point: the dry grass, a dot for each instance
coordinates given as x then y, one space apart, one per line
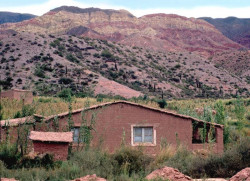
47 106
10 107
52 105
165 154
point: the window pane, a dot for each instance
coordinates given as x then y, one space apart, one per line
148 139
137 135
148 131
148 135
75 134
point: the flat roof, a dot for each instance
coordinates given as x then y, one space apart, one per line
16 122
65 137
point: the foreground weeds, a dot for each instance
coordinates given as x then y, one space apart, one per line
132 164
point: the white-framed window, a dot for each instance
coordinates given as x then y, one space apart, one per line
76 132
143 135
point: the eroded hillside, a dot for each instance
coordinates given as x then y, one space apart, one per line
48 63
157 31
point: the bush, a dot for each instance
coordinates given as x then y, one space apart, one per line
215 165
164 155
162 103
27 110
46 161
9 155
93 161
107 54
65 80
72 58
2 167
130 161
65 94
46 100
182 160
39 72
6 84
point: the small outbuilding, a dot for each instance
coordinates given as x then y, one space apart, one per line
21 95
55 143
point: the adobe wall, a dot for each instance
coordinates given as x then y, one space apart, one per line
26 96
7 94
113 124
58 150
12 134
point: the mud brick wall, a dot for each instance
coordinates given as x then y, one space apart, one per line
58 150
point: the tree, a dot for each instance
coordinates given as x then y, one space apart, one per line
239 110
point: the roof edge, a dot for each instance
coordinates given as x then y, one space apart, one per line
48 118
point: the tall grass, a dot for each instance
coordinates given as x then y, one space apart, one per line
54 105
133 164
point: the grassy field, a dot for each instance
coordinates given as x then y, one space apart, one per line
52 105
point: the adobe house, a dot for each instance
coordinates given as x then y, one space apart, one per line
9 128
55 143
139 125
21 95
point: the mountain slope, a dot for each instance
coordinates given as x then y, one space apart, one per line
158 31
9 17
47 63
237 29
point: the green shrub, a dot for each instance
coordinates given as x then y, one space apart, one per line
177 66
93 161
129 160
18 115
46 100
2 167
181 160
27 110
9 155
107 54
239 110
6 84
223 165
65 80
46 161
96 55
162 103
72 58
65 94
39 72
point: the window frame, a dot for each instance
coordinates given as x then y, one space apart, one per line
73 130
143 143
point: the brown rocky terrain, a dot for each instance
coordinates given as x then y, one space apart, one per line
157 31
236 62
242 175
168 173
90 178
48 63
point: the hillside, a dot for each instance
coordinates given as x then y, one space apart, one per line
237 29
237 62
48 63
9 17
160 32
